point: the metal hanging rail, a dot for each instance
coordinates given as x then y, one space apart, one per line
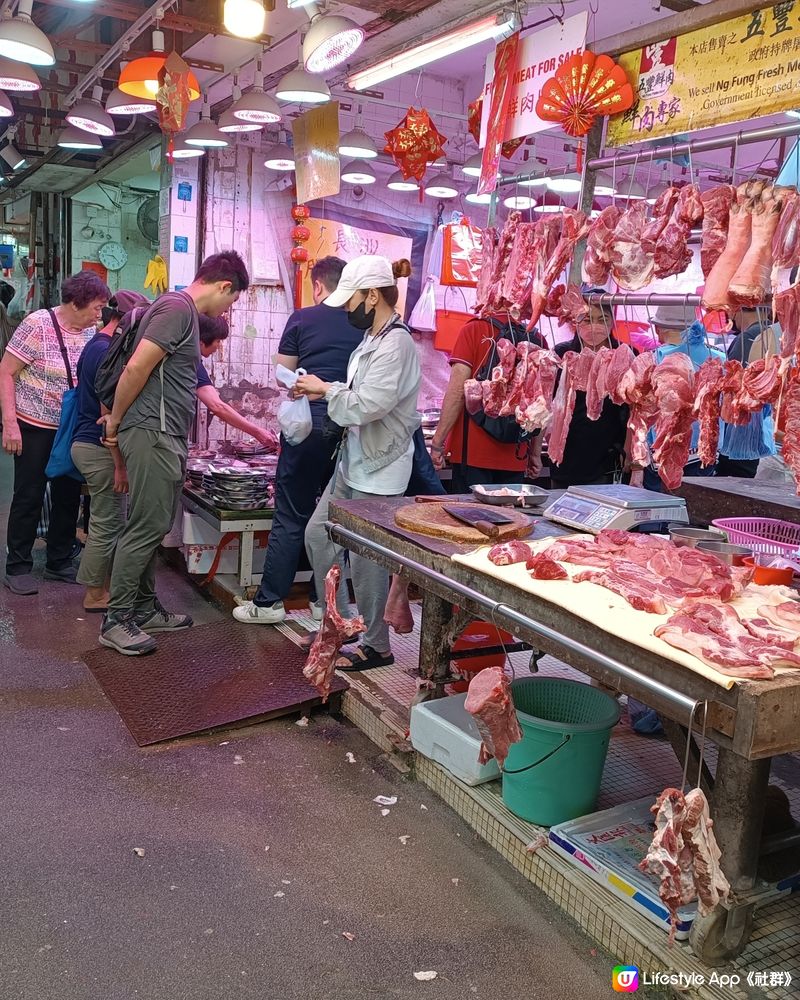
744 138
681 702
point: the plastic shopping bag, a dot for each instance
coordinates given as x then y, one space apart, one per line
462 254
423 315
294 415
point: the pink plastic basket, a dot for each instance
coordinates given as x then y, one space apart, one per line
761 534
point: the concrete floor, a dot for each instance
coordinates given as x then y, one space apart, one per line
262 847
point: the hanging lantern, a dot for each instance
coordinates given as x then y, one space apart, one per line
299 255
174 96
301 234
474 115
300 212
585 87
414 143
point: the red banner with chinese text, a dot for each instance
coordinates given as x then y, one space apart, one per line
505 65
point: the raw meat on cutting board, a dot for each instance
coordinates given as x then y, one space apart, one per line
320 666
489 702
508 553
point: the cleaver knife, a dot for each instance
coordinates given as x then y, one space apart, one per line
486 521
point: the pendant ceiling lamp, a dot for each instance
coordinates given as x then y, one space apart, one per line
534 182
20 39
631 189
75 138
280 157
228 122
300 87
565 183
398 183
18 76
441 186
358 172
244 18
331 39
549 204
205 133
357 144
90 116
256 106
184 152
604 186
139 77
478 199
472 167
519 201
118 103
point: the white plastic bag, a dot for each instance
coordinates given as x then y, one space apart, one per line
423 315
294 415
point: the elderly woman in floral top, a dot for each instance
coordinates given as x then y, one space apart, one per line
33 380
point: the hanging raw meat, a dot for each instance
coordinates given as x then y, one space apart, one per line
473 395
599 242
320 667
514 395
734 408
575 227
791 423
672 254
489 702
662 212
673 381
751 283
787 309
491 239
786 242
716 213
572 305
636 390
516 290
535 408
501 261
596 390
575 373
707 408
631 267
494 391
740 229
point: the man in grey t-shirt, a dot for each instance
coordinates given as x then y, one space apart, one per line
153 407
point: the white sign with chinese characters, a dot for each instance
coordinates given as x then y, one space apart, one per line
540 55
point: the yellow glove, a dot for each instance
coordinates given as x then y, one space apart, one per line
156 278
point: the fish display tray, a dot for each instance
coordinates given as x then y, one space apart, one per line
608 846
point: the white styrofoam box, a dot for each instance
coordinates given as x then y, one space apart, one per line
200 558
445 731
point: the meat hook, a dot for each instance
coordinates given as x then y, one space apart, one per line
559 17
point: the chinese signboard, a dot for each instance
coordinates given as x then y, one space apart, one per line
316 153
539 56
334 239
739 69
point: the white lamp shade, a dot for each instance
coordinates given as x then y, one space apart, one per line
206 135
18 76
258 107
565 183
534 182
358 144
90 116
472 167
119 103
549 204
229 123
519 201
20 39
441 186
280 157
75 138
358 172
299 87
399 183
182 152
478 199
604 186
331 40
631 189
244 18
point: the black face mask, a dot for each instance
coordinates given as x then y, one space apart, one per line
360 318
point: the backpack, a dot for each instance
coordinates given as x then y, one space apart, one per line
120 350
504 430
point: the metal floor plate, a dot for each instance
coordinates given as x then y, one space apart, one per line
203 678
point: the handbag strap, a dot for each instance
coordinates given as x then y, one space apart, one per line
64 355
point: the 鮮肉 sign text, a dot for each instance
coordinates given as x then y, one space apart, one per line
739 69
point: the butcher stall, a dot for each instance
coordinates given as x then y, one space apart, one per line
748 720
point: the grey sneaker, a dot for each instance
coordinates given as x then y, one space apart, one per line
251 614
25 585
124 635
161 620
317 611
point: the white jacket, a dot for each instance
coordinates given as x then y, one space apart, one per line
382 397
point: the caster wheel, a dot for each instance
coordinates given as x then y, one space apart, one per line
722 935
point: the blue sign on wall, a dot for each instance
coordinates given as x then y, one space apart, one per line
181 244
184 191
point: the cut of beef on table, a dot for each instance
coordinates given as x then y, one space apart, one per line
320 666
489 702
508 553
542 567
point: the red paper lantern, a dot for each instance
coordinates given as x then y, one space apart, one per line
301 234
415 143
299 255
300 212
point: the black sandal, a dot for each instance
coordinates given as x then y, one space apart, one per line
308 640
365 658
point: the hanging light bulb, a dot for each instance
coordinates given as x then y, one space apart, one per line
534 182
331 39
20 39
140 76
519 201
399 183
74 138
18 76
549 204
244 18
478 199
631 189
441 186
228 122
565 183
118 103
358 172
183 152
356 143
90 116
280 157
299 87
205 133
255 105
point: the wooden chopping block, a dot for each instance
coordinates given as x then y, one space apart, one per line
431 519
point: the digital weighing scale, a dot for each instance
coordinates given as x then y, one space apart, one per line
594 508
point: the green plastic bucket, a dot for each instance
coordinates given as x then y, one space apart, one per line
554 773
